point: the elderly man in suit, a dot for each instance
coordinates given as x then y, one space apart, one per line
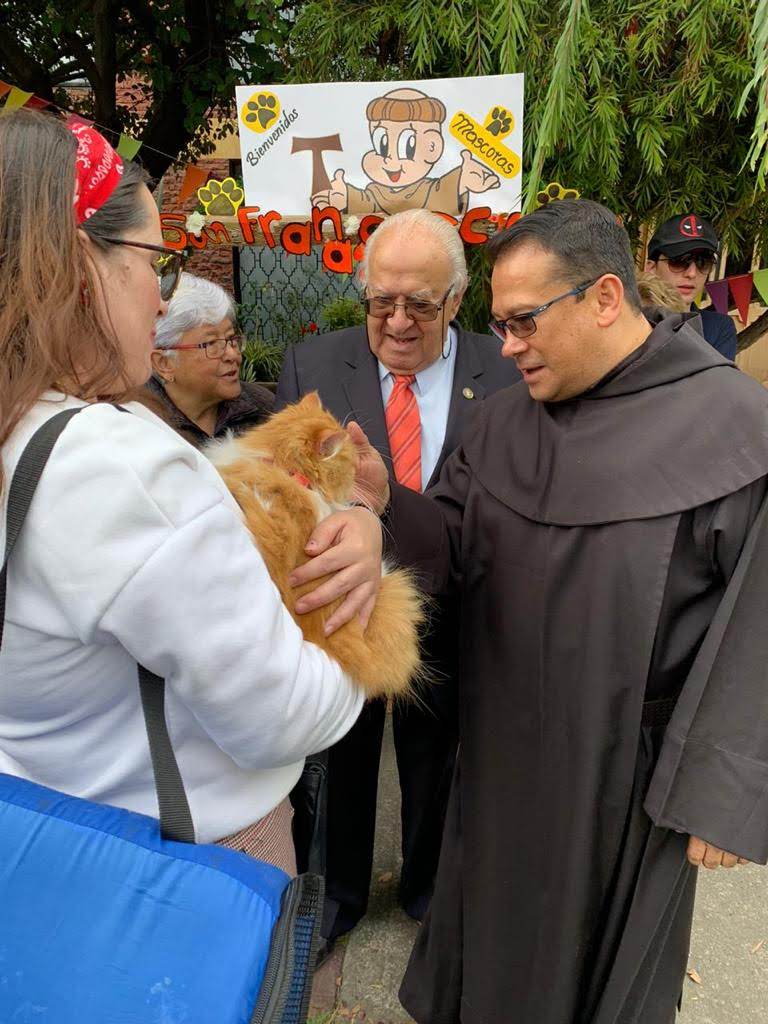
411 377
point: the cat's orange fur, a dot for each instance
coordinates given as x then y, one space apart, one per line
281 513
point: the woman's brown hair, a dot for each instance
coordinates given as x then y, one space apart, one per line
52 334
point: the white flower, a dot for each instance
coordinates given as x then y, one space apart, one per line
351 224
195 222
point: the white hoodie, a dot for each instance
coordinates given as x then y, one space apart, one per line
133 549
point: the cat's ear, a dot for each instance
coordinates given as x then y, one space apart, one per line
311 401
329 442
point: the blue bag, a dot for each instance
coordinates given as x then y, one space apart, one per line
111 917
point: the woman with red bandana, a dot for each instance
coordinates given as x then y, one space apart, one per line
133 550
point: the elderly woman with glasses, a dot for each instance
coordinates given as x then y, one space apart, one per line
196 382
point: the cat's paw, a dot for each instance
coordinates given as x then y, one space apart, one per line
221 198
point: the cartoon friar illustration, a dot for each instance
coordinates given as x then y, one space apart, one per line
406 143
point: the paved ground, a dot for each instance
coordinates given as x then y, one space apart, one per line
360 981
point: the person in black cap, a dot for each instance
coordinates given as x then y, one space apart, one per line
682 252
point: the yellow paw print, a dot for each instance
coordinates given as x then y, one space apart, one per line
556 191
221 198
499 122
261 111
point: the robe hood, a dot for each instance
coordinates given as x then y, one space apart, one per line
673 427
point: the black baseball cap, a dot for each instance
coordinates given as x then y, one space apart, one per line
679 235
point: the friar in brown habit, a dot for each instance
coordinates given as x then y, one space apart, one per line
592 521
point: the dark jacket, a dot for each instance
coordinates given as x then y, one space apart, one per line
252 407
719 331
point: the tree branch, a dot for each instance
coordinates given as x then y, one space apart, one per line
753 333
105 59
26 71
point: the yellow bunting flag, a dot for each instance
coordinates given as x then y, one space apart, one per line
16 98
127 147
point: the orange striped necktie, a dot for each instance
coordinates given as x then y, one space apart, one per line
404 429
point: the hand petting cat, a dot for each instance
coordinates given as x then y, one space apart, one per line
371 478
288 475
349 545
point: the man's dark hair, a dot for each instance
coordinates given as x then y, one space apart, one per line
585 237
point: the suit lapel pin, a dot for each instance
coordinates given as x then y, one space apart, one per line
468 393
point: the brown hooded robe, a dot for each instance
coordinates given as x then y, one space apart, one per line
592 541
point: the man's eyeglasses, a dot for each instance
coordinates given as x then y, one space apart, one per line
167 266
382 307
679 264
214 349
523 325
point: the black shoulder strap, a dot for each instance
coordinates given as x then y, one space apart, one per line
175 817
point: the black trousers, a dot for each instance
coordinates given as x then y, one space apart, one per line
425 747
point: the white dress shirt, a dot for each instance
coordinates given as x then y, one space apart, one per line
432 389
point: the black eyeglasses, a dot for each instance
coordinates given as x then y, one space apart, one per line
679 264
523 325
381 307
167 266
214 349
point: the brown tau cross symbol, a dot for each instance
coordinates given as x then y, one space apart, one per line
317 147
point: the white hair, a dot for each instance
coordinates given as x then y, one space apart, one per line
446 237
196 303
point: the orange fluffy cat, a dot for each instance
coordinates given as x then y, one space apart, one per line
287 475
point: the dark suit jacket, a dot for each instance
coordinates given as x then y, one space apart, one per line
345 373
342 369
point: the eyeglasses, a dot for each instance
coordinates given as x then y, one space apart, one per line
524 324
679 264
415 309
213 349
167 266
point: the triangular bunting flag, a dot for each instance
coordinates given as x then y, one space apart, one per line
16 99
127 147
36 103
718 292
741 290
760 281
4 88
194 177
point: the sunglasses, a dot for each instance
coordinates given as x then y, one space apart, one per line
524 324
415 309
213 349
679 264
167 266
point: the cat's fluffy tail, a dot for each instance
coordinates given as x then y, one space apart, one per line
393 666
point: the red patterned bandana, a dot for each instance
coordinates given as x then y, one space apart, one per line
98 170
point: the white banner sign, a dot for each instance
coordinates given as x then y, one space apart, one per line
448 145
